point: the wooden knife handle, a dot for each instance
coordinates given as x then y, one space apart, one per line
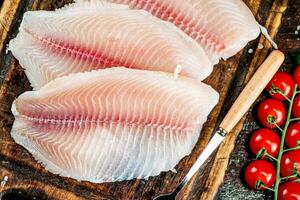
252 90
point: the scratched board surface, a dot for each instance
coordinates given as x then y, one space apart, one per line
26 178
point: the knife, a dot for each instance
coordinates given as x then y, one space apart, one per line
241 105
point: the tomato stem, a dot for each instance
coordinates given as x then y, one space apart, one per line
288 177
260 153
271 189
278 127
295 119
271 157
275 90
280 92
287 123
263 152
291 149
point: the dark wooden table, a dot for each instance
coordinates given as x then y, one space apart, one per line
28 179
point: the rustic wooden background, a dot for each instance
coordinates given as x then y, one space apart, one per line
23 178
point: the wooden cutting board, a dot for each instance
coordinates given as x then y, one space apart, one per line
24 177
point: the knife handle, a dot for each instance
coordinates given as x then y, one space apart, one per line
252 90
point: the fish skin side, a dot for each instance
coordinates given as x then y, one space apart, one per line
95 35
222 27
113 124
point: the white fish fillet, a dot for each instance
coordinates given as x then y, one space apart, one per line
93 35
222 27
113 124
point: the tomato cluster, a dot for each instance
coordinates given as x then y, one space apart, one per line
265 142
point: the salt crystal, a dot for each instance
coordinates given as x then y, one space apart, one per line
260 46
298 27
250 51
4 181
7 49
296 32
177 71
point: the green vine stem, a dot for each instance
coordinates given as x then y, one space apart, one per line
288 177
275 90
263 153
295 119
271 157
282 150
271 189
291 149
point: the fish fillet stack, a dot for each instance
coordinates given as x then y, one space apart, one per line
117 91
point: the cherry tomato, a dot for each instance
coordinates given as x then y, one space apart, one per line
288 160
293 135
271 108
296 106
289 191
297 75
267 139
260 170
282 81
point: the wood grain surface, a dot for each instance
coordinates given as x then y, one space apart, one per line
30 180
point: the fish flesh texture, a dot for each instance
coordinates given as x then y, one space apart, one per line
222 27
112 124
94 35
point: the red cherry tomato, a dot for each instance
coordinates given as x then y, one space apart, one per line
288 160
267 139
296 106
293 135
260 170
289 191
284 82
297 76
271 108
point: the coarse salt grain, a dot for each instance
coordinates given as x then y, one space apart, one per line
4 181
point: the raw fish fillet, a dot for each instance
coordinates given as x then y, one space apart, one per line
222 27
91 35
113 124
